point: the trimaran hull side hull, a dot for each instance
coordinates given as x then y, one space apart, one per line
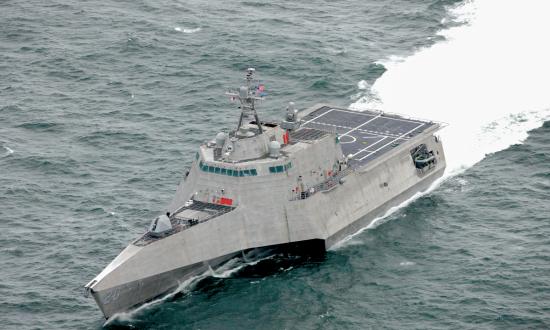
130 295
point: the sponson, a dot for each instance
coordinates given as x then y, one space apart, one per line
314 178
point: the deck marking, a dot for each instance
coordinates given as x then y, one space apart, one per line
360 130
375 143
321 115
379 133
363 124
392 141
362 114
360 135
354 139
416 121
327 124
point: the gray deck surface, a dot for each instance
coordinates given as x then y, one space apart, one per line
365 135
181 218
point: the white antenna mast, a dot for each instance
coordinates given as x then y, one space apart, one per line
247 96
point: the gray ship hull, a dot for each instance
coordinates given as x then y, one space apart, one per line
307 199
131 295
383 209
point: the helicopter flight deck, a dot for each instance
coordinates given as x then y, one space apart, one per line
368 134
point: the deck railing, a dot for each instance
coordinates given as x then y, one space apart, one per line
325 186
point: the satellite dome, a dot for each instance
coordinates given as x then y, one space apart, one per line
274 149
220 139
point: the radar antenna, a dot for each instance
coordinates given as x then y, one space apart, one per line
247 96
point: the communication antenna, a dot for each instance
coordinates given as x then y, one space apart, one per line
247 96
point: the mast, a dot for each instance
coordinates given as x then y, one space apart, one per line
247 96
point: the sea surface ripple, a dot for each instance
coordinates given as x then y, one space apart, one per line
102 106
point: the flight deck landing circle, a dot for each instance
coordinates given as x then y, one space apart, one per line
347 139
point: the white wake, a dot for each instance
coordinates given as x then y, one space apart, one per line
8 151
489 80
189 31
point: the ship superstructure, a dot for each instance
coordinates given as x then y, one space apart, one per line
309 180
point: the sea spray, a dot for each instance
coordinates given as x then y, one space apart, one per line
188 31
488 80
8 151
461 82
184 287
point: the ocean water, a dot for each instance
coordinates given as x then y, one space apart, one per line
102 105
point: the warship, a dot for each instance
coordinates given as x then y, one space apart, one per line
308 181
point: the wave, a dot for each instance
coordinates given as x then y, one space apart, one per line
184 30
233 266
8 151
488 80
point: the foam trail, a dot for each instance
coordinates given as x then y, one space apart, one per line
489 80
230 268
184 30
8 151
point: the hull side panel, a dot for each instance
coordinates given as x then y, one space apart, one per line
382 209
126 296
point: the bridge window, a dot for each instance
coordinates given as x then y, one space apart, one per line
280 168
226 171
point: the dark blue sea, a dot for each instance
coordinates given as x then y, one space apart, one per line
103 104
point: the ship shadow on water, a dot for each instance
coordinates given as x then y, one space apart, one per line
275 264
